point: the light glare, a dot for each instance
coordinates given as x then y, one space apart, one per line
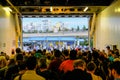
86 8
7 9
51 9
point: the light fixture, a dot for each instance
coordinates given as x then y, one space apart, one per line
51 9
86 8
7 9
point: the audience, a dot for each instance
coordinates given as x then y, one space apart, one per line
60 65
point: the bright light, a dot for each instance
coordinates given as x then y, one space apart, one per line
86 8
51 9
7 9
117 10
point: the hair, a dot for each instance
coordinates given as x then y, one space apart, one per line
79 62
57 53
2 53
91 66
108 47
18 50
39 51
19 57
44 51
73 54
66 52
13 52
31 63
95 54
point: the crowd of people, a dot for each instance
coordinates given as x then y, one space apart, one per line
60 65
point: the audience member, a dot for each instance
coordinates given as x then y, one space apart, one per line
91 67
67 65
78 73
115 70
30 73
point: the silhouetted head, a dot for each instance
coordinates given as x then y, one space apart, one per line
66 52
91 66
18 50
57 53
31 63
108 47
73 54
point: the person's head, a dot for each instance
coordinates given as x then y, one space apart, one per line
115 69
44 51
57 53
79 64
18 50
95 55
73 54
39 51
91 66
108 47
66 52
12 51
31 63
2 53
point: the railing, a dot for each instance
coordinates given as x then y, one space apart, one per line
68 33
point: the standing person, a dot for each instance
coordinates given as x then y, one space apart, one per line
12 56
30 73
55 63
19 55
67 65
108 50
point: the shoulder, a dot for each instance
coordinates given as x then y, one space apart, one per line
95 77
40 77
99 78
16 78
37 77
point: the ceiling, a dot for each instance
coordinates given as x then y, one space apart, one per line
58 2
38 8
